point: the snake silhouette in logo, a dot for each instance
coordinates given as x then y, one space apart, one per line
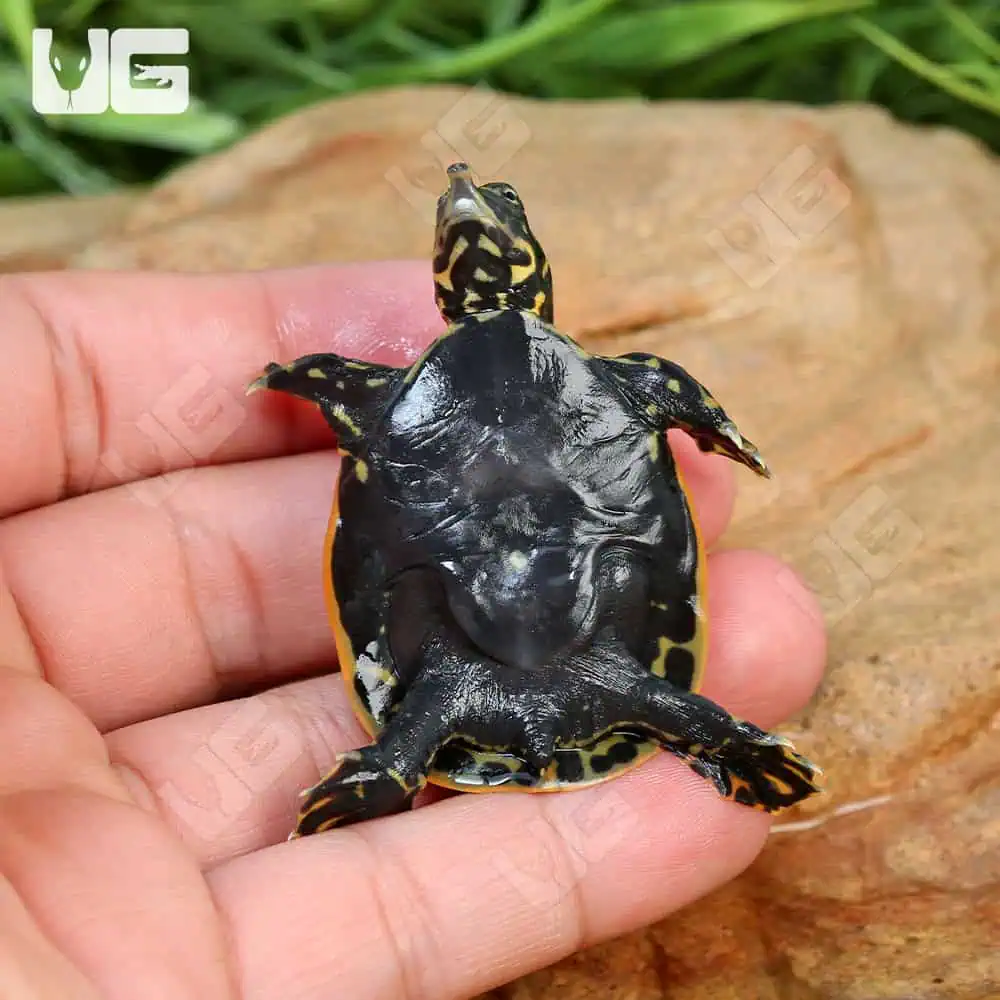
69 68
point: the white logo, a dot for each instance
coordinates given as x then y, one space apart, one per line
104 78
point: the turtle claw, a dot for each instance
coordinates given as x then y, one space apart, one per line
360 787
727 440
758 769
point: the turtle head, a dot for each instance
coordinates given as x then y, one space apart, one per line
485 255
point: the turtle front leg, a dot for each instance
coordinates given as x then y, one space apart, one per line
671 397
351 394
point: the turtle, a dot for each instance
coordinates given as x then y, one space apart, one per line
514 573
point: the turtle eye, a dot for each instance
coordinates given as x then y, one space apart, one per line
510 194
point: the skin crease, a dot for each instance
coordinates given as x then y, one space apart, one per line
165 690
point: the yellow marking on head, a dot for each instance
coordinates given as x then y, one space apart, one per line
673 385
358 366
654 446
472 297
521 272
709 402
652 409
374 383
501 298
485 243
480 275
443 278
316 373
652 362
539 303
361 471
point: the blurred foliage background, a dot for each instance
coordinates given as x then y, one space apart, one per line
927 61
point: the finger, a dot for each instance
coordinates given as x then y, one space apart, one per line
122 376
160 596
227 776
528 879
446 903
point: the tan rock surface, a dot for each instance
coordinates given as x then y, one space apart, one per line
865 363
40 233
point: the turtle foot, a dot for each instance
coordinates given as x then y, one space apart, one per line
360 787
758 769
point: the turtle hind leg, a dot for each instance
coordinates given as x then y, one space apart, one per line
363 785
756 769
384 777
745 763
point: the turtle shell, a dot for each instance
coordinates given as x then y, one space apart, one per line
511 480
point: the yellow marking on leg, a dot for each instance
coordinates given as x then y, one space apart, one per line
654 446
399 779
782 787
736 783
375 383
673 385
361 471
659 665
316 373
539 303
652 362
358 366
341 415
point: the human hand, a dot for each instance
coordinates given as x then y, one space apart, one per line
165 690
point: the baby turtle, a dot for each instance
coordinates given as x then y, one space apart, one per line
514 572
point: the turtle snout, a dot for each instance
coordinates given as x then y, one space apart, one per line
520 607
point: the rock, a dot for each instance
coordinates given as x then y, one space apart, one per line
40 233
831 274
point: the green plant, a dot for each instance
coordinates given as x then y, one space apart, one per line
929 62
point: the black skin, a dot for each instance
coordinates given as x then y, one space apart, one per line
512 541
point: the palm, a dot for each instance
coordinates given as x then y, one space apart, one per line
165 690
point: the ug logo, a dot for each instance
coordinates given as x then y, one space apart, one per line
63 83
